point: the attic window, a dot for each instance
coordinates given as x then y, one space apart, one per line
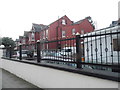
63 22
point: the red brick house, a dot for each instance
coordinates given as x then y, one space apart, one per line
65 28
26 37
44 37
55 27
17 42
34 35
82 27
24 40
29 39
54 30
59 29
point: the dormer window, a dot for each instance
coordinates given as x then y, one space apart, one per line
63 22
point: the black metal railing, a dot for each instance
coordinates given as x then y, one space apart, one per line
96 50
102 49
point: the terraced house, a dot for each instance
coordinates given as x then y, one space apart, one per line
65 28
60 29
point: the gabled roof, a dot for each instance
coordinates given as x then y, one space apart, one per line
26 33
114 23
86 18
80 21
119 21
21 37
59 19
37 27
17 40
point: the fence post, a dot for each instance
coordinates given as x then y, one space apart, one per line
38 51
78 51
10 51
20 51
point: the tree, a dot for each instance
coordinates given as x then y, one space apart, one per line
6 41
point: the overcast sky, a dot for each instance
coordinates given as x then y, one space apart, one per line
17 16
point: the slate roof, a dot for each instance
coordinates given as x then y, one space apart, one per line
17 40
114 23
59 19
26 33
37 27
78 22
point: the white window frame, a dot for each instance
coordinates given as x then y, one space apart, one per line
63 21
73 31
23 41
32 36
63 34
29 37
43 34
46 33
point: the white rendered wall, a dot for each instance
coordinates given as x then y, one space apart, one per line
51 78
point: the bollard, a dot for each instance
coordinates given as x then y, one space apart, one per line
20 52
38 51
78 51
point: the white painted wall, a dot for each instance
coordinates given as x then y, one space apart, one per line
96 44
51 78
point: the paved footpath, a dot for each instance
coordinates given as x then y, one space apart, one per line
11 81
8 80
0 79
